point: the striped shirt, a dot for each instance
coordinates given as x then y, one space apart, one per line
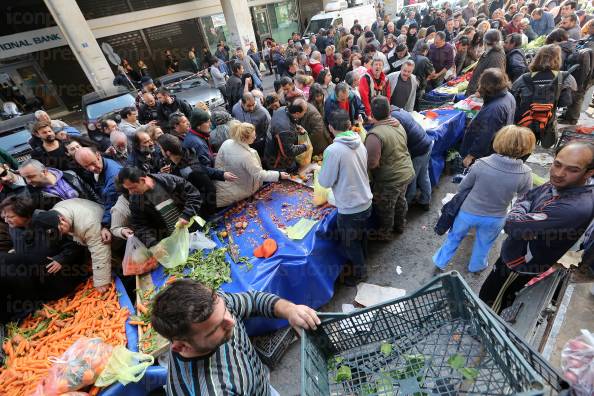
234 368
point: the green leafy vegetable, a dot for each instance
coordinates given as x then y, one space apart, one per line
211 270
469 373
343 374
456 361
386 348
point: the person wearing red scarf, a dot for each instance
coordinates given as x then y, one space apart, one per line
374 83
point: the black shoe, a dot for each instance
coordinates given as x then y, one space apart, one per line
425 207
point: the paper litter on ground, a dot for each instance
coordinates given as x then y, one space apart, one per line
370 294
570 258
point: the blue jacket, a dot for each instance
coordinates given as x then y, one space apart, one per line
355 105
544 25
197 141
417 140
106 188
544 224
497 112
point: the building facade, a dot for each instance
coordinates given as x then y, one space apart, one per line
57 50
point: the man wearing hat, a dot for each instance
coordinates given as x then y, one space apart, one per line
198 137
370 39
397 57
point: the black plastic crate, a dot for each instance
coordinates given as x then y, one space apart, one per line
272 347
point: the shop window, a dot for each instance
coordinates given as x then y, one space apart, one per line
92 9
215 30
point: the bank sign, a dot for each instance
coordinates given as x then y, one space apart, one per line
33 41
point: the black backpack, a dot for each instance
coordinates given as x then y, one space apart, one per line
581 61
539 104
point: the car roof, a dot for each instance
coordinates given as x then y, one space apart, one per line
101 95
17 122
175 75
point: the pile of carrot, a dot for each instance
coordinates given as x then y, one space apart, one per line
53 329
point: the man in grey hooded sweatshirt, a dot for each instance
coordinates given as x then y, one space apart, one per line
345 171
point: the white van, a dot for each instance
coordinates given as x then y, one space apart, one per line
339 14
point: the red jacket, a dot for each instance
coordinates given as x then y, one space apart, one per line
380 87
316 68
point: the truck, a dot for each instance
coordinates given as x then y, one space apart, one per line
339 13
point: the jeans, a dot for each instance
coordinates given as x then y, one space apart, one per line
352 231
421 180
487 230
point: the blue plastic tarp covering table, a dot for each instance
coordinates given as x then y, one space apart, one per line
302 271
450 129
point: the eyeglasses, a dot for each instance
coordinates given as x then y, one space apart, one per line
4 172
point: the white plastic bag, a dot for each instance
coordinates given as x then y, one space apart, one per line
199 241
577 363
137 258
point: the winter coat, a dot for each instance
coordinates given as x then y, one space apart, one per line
146 221
423 68
149 164
516 64
544 224
190 160
129 129
493 57
497 112
233 90
313 123
544 25
369 88
260 118
245 163
100 139
197 141
164 111
281 143
393 80
106 188
85 219
120 217
417 140
147 114
356 108
43 198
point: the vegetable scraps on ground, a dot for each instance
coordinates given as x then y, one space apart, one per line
53 329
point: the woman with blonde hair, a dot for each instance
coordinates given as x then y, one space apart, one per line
303 83
345 42
490 186
236 156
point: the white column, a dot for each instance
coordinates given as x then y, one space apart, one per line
79 36
239 23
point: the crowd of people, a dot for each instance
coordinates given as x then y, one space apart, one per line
346 95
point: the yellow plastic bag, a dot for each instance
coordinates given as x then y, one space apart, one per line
320 194
174 250
124 366
304 158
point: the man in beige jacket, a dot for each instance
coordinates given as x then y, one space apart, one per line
81 219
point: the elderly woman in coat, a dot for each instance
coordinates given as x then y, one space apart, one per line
236 156
493 57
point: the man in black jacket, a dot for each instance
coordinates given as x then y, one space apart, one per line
169 104
282 142
148 110
144 155
158 202
51 151
184 163
515 59
47 186
236 85
423 69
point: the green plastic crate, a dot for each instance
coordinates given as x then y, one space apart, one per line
438 340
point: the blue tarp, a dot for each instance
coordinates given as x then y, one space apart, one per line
435 96
302 271
446 135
